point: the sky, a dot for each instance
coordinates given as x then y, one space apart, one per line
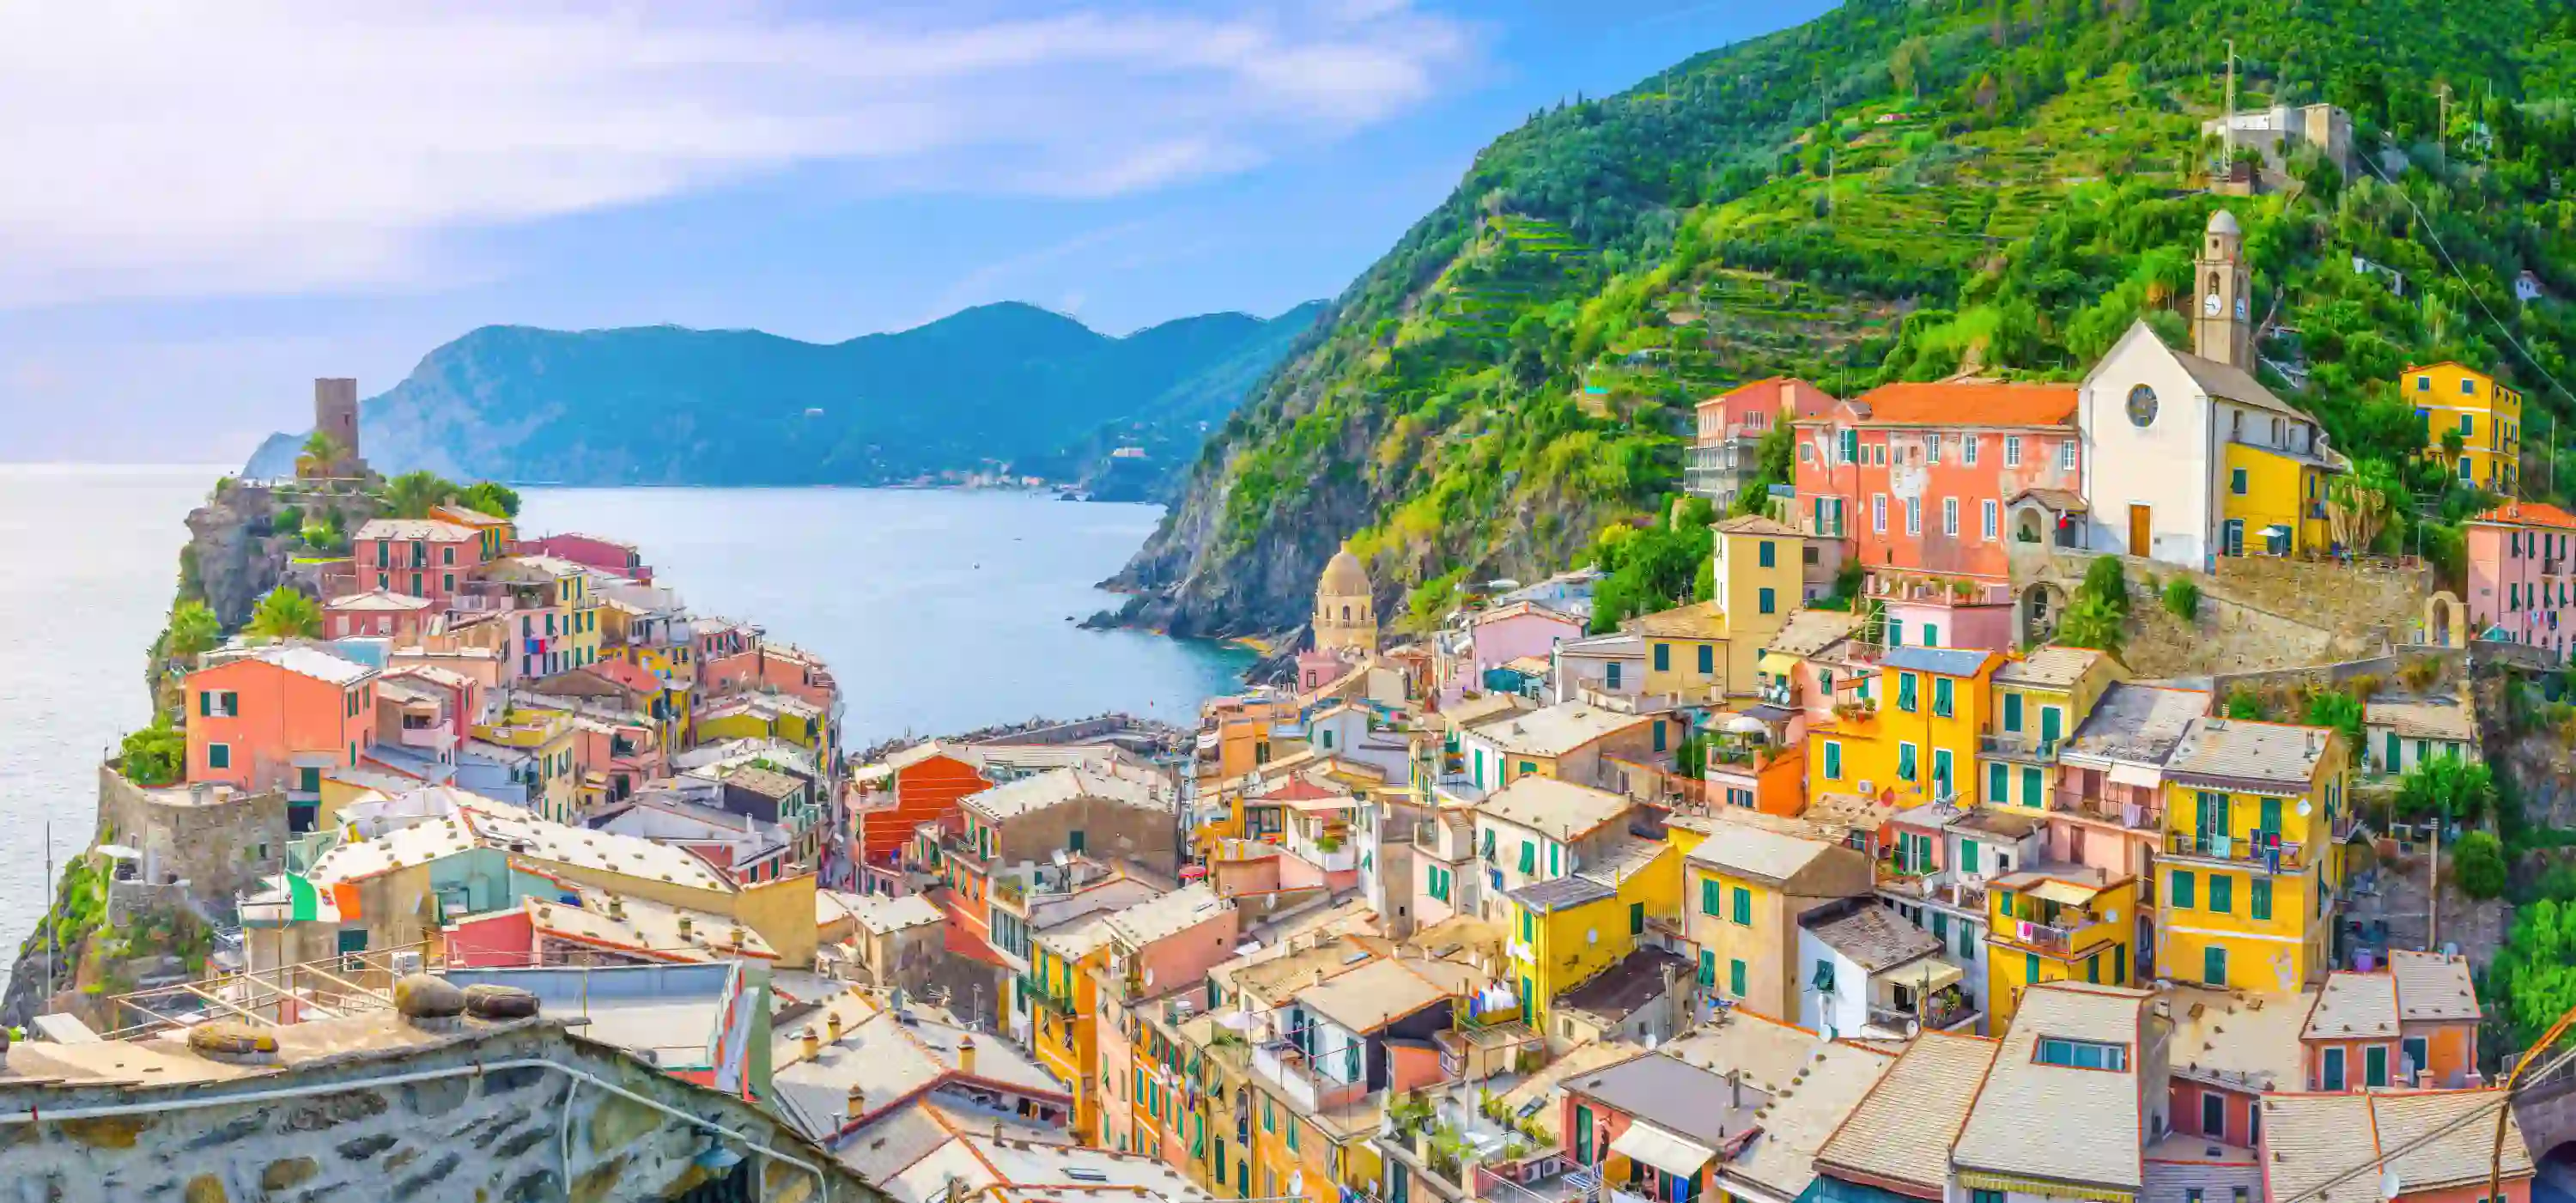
210 205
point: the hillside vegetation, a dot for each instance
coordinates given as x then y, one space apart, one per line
1893 191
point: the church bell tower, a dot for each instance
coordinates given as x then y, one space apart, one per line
2222 319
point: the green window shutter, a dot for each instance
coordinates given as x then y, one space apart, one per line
1768 556
1552 859
1663 657
2272 816
1744 906
2031 785
1895 633
1905 696
2030 966
2093 969
2259 904
1943 696
2012 712
1707 968
1707 659
2222 894
1997 777
2051 724
1967 856
2181 891
1636 918
1529 857
1735 978
1770 602
2213 965
1905 760
1833 762
1528 926
1941 926
1708 896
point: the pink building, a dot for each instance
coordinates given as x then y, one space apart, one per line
1731 429
591 551
1504 634
417 557
760 665
1944 611
376 613
2520 587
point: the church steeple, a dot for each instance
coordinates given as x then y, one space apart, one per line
2222 320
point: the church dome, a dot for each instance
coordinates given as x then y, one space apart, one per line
2224 222
1344 577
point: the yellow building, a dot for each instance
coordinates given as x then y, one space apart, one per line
2453 399
761 716
1933 706
2057 923
552 777
1064 1000
2254 813
1685 653
1758 569
2040 700
1745 886
1565 930
2274 501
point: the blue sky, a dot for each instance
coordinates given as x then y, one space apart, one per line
231 200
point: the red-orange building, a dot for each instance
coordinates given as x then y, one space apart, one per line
924 786
279 719
1919 476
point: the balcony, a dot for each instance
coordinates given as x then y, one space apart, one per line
1946 1014
431 738
2063 939
2264 849
2135 816
1045 996
1288 1066
2021 747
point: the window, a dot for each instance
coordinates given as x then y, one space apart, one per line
2033 784
1708 654
1610 675
1833 762
1742 899
1073 841
1905 762
219 756
2236 481
1878 513
1824 976
2330 1070
1851 445
2213 965
2423 384
2259 901
2012 713
1707 969
2012 451
1770 604
2082 1054
1709 892
2416 1051
1991 515
2374 1065
1913 515
1985 1196
2213 1116
308 780
1932 449
1950 516
1636 918
1769 555
2222 894
1905 692
1529 926
1663 657
2180 891
2066 456
1968 449
1998 778
1942 696
1735 978
1529 857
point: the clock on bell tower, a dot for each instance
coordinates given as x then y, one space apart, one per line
2222 326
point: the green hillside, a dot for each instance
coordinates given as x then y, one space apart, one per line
997 384
1893 191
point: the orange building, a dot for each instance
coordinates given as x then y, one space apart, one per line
2413 1024
1918 475
926 782
279 718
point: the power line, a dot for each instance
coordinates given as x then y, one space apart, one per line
2436 238
2482 1111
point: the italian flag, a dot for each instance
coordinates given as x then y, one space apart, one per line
306 901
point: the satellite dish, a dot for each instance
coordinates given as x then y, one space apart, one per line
2304 807
2388 1182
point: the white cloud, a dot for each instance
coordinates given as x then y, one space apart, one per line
178 148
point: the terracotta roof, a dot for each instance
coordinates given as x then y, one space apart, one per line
1966 403
2529 513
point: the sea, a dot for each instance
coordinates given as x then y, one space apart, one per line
939 611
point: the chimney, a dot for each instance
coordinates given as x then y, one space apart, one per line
685 925
812 1044
617 909
735 937
966 1055
1735 1089
858 1101
834 1019
1319 975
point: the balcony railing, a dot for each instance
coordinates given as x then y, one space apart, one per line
2135 816
1287 1065
1044 994
2264 849
2020 746
2063 939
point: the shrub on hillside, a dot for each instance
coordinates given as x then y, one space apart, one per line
2477 865
2182 598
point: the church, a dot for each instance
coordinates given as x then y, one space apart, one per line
2186 456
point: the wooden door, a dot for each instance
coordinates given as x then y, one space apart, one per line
2140 540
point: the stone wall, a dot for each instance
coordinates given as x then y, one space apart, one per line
219 840
2255 613
486 1136
2390 670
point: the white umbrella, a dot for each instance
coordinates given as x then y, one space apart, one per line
1745 724
118 852
1239 1021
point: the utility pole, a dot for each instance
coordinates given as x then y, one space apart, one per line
2433 891
2442 130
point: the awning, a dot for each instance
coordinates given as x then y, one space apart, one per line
1778 664
2065 893
1672 1154
1927 974
2137 775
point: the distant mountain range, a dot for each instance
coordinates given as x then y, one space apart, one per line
1007 388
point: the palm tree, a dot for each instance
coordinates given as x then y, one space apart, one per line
193 632
321 454
412 494
286 614
2357 504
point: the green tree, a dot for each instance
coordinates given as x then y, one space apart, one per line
2341 711
2359 502
2182 598
156 755
2477 865
193 631
2243 703
2532 980
412 494
490 497
1775 462
2448 787
2098 617
286 614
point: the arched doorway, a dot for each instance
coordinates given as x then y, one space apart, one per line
2445 623
2040 607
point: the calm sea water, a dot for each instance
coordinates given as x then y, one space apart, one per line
938 611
